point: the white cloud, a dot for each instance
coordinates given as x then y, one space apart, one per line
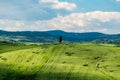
118 0
64 5
98 21
49 1
56 4
12 25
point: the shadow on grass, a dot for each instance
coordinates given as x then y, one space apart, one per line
8 74
69 76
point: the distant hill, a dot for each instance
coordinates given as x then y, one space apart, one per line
52 36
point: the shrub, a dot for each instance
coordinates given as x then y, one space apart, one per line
0 56
118 45
118 65
19 67
111 70
27 61
87 49
85 64
63 62
69 53
4 59
103 60
97 57
36 52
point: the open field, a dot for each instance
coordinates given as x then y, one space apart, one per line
59 62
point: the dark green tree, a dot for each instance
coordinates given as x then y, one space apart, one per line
60 39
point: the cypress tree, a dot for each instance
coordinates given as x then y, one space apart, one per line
60 39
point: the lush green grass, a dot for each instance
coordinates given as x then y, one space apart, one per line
7 47
61 62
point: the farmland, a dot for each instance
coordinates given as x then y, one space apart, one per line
67 61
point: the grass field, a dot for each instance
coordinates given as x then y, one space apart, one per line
59 62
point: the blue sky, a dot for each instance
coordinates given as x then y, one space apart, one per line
68 15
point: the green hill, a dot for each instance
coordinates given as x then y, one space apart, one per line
53 36
60 62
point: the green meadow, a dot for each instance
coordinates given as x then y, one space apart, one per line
67 61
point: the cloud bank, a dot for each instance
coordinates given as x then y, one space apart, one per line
96 21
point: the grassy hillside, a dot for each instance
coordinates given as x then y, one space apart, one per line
61 62
7 47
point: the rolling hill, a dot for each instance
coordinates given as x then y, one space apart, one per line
52 36
60 62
